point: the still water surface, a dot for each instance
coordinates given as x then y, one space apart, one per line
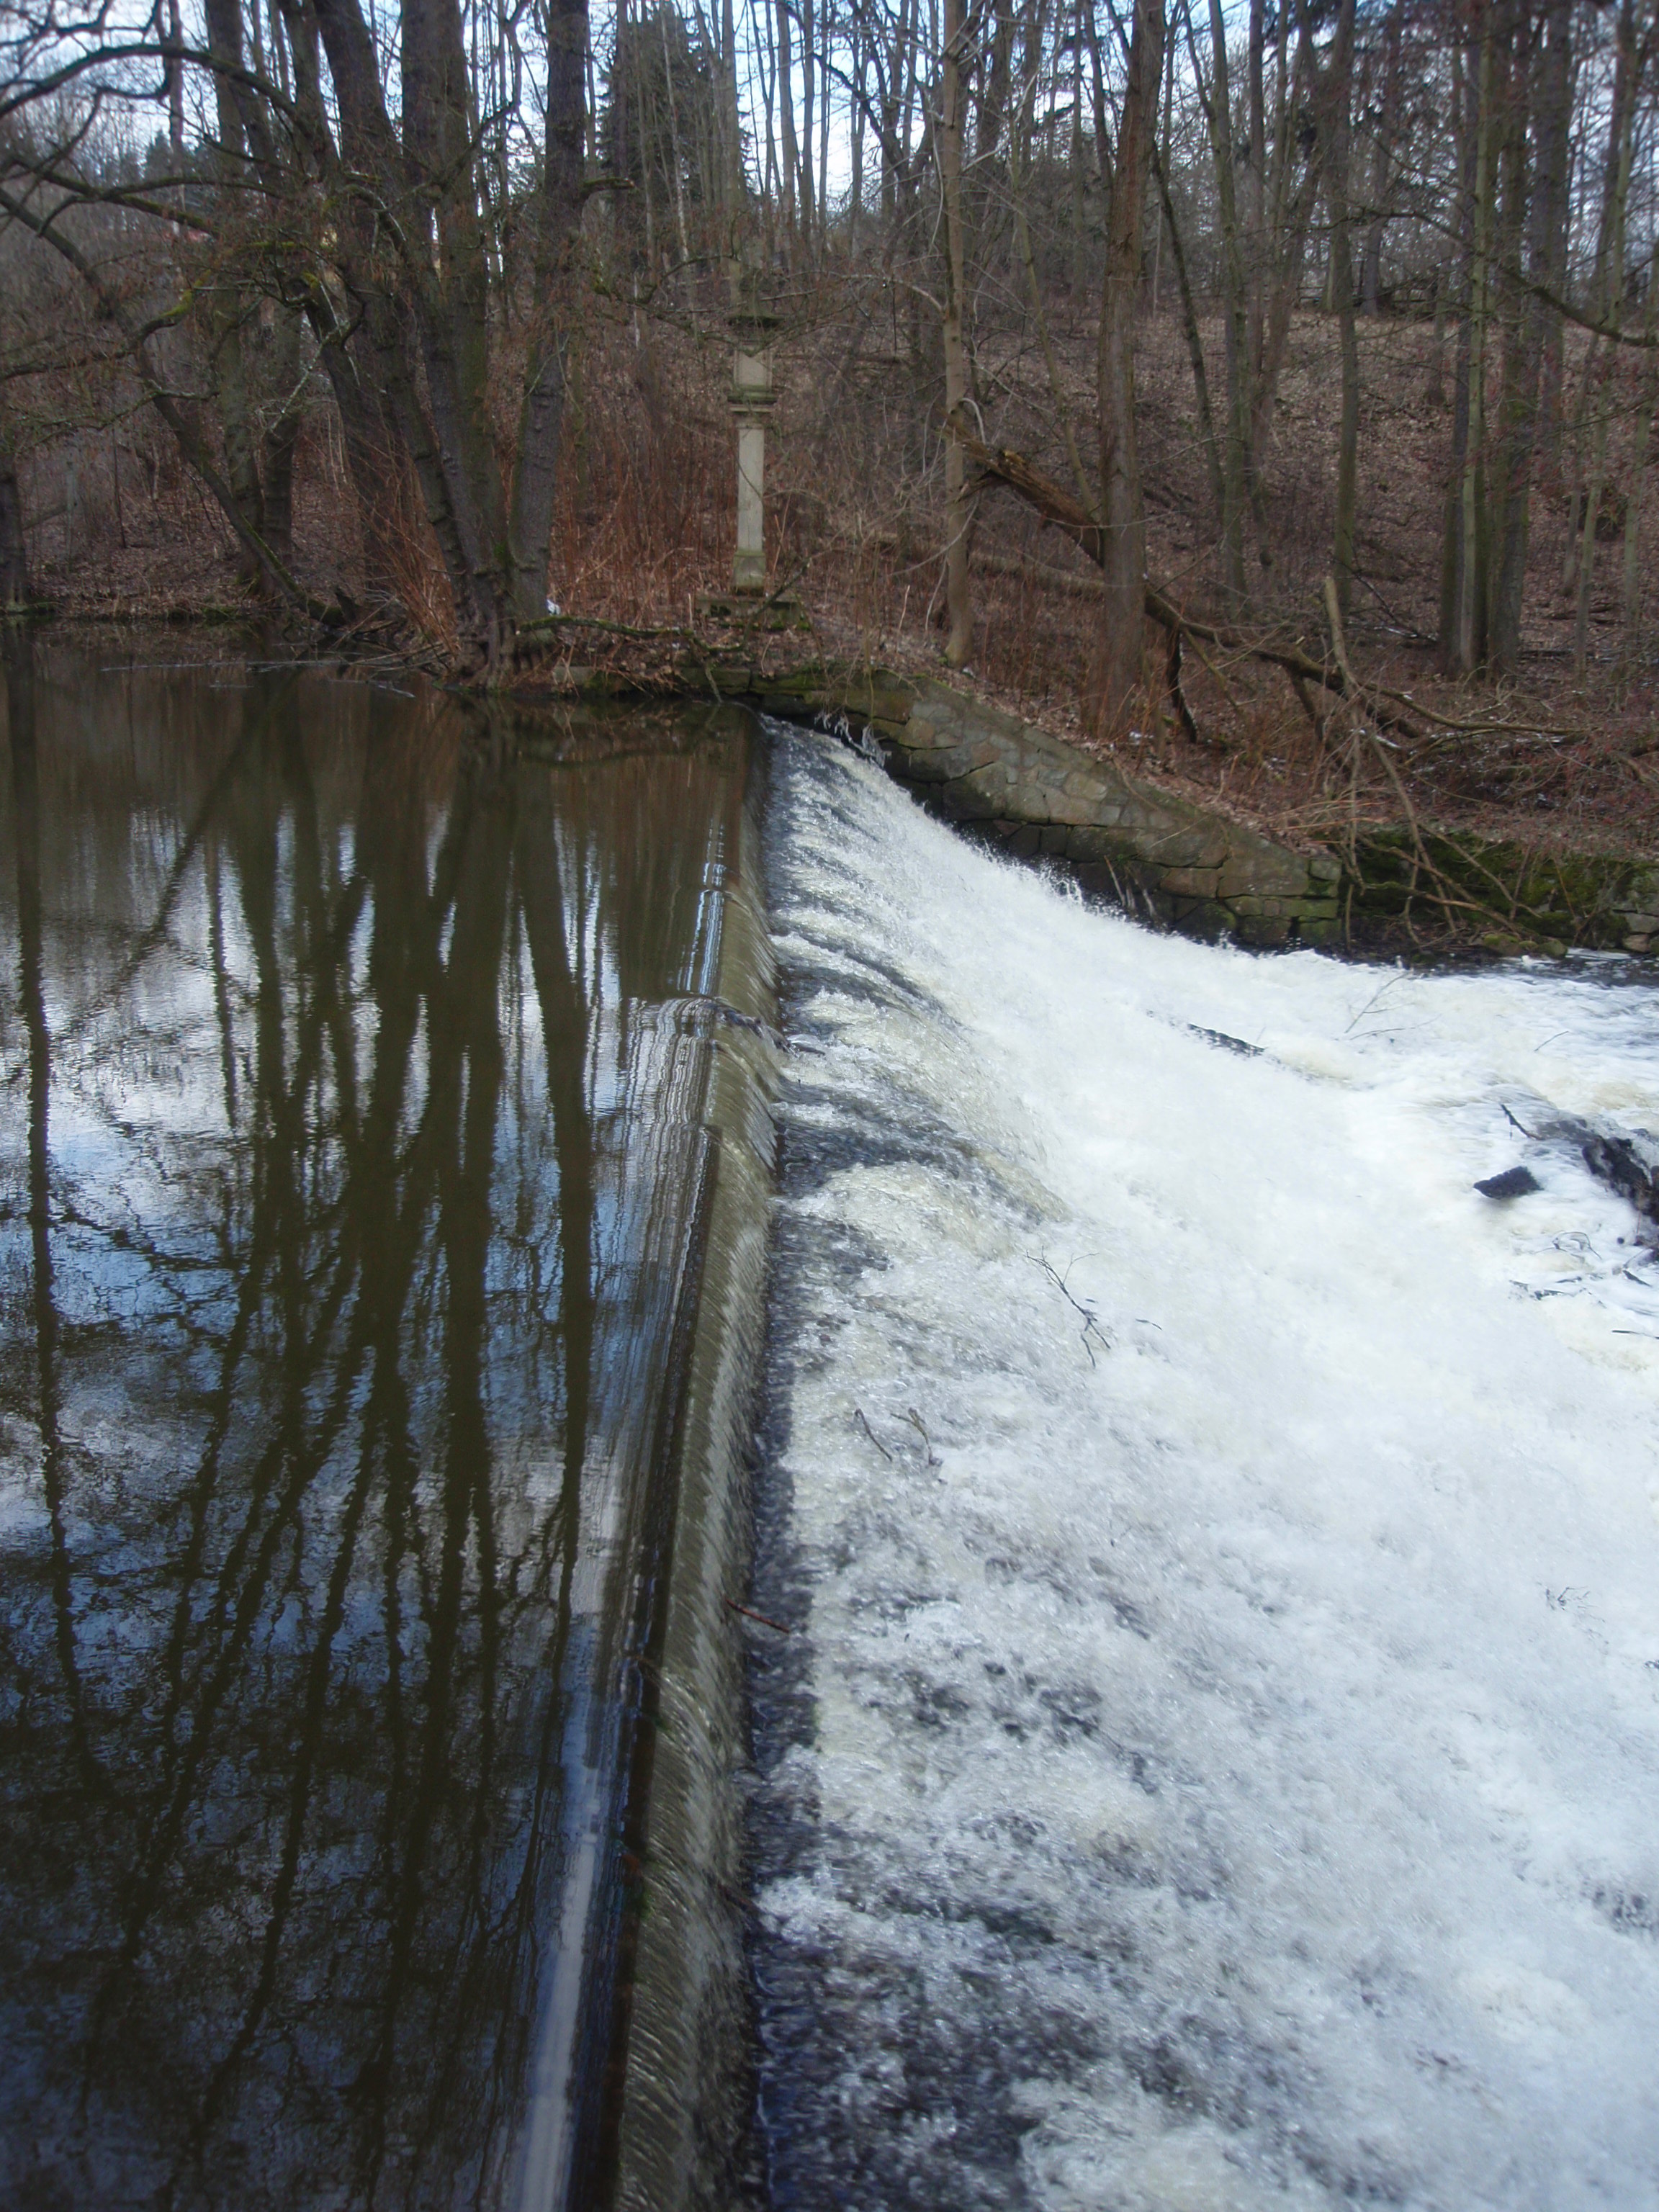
349 1122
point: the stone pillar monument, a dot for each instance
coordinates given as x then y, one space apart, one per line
752 400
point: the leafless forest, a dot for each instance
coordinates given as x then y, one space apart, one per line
1265 393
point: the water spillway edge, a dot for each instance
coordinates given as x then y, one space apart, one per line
683 2011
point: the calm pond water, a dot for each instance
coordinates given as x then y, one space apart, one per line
350 1144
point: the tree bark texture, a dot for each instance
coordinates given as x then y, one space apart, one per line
14 549
1338 134
959 600
1115 671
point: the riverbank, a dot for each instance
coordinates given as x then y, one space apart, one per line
1395 867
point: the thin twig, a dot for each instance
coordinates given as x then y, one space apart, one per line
863 1423
1091 1320
750 1613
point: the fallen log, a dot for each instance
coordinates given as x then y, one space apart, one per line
1057 506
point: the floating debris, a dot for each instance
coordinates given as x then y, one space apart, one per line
1514 1182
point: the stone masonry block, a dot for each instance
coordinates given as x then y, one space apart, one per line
918 768
1204 918
1084 783
1267 873
1190 883
1263 929
1250 906
1074 813
1195 846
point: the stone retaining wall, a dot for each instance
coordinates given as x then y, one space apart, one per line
1184 864
1033 794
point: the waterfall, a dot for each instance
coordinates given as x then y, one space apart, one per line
1214 1757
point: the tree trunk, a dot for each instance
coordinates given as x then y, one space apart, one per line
787 119
280 441
1194 346
858 67
1609 297
1339 102
175 70
1463 574
1255 194
1117 668
229 302
1547 229
1236 437
557 214
808 117
1521 315
13 551
1371 286
948 147
1631 595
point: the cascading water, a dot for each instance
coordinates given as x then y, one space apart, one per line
1215 1760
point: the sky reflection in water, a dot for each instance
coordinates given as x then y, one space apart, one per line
348 1140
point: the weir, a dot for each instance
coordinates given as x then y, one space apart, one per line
1215 1758
1189 1738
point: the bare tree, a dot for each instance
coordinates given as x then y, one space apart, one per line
1120 644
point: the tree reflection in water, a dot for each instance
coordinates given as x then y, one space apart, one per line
349 1142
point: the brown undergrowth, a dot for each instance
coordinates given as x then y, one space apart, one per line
855 482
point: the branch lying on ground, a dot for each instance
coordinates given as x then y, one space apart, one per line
1058 507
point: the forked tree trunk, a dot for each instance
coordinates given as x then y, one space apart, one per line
426 311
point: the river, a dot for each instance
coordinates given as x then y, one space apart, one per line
352 1148
1215 1761
1202 1739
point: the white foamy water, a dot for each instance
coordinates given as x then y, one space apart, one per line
1216 1762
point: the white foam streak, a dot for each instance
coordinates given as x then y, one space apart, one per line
1234 1778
